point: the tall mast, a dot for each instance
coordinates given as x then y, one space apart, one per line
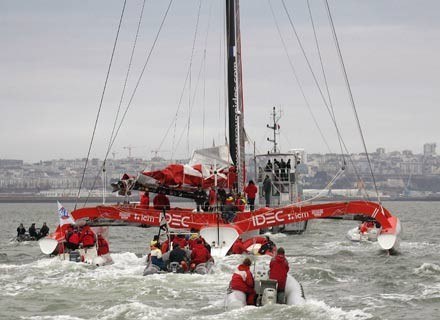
235 90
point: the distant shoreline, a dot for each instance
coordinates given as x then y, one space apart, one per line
115 200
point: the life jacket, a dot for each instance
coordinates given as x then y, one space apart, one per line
199 254
278 270
102 246
74 238
88 239
242 280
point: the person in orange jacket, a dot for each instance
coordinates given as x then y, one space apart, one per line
243 280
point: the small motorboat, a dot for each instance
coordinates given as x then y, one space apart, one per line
266 290
366 231
175 267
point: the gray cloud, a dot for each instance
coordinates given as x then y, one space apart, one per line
55 54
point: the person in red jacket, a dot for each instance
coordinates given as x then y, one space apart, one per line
279 267
180 239
363 228
199 254
251 192
102 245
87 237
243 280
238 247
145 200
212 199
161 202
73 239
240 203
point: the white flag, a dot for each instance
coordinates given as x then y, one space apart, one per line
64 215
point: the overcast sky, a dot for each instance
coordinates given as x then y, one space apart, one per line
54 57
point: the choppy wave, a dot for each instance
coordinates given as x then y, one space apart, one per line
428 269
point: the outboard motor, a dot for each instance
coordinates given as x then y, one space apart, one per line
74 256
267 291
175 267
269 296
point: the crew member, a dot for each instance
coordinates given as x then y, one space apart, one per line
156 255
240 203
229 209
102 245
33 231
44 231
199 254
179 255
238 247
212 199
278 271
199 197
267 190
221 196
87 237
73 239
267 245
161 201
145 200
251 192
363 228
180 240
242 280
21 230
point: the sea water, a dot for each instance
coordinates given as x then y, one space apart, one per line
341 279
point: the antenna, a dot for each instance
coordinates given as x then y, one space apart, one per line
276 129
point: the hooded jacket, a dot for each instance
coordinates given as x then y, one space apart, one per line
278 270
242 280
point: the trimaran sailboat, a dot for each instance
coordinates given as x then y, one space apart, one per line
219 233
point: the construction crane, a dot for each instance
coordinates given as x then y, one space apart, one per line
130 147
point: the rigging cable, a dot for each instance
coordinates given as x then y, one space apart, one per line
204 74
126 78
100 103
297 78
311 70
120 100
190 73
319 88
139 78
324 75
341 60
